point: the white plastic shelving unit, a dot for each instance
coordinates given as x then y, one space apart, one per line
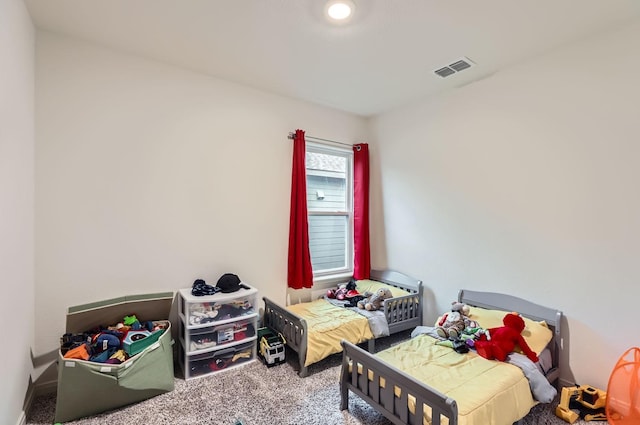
217 332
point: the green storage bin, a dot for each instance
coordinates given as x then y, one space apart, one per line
88 388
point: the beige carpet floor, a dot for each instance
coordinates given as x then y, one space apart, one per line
256 395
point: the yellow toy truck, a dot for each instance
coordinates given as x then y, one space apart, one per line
582 402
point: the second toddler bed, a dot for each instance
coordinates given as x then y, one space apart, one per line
315 329
422 382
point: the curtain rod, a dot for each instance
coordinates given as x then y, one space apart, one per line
322 140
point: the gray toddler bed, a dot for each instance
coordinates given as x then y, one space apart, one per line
401 313
391 398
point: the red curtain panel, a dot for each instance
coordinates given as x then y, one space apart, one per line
300 273
361 248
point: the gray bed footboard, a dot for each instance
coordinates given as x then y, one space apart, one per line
291 326
403 312
357 365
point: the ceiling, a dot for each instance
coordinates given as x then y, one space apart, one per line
384 58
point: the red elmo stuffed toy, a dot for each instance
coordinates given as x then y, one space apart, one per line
503 340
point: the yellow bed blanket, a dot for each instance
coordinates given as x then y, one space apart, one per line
327 324
486 391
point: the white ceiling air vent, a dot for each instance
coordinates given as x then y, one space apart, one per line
457 66
444 72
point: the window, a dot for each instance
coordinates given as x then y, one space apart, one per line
330 209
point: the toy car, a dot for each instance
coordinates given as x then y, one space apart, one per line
271 347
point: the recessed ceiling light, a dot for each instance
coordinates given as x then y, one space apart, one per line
339 10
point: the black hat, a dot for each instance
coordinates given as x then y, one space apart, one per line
200 288
229 282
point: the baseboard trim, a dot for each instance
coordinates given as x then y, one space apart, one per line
28 400
22 419
33 391
48 387
565 383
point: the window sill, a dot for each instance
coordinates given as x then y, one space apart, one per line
333 278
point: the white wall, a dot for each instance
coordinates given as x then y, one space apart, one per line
526 183
17 46
150 176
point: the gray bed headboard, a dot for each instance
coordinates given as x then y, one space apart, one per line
496 301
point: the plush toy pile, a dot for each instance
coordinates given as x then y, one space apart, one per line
452 324
373 301
343 291
460 332
350 297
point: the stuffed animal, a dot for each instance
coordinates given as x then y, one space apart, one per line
500 342
373 301
338 293
471 334
343 289
451 324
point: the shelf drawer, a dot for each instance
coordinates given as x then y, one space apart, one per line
219 336
218 308
201 364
